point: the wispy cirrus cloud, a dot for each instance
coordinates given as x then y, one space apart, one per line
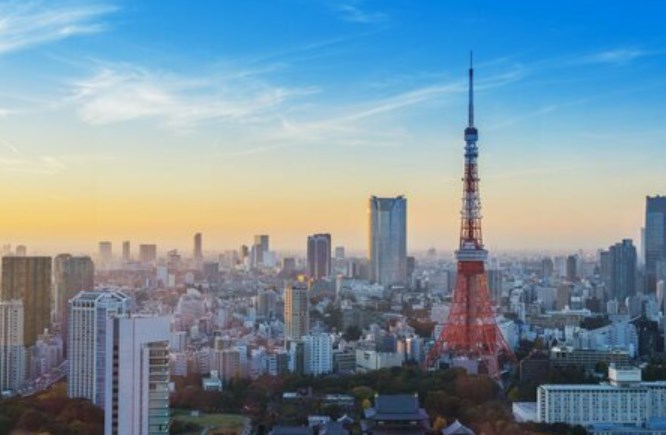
117 93
354 11
28 23
617 56
14 159
372 123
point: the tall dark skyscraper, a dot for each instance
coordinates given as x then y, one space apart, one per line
655 238
622 270
127 254
387 252
319 256
198 249
29 279
71 275
572 272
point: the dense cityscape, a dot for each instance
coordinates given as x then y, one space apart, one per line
156 341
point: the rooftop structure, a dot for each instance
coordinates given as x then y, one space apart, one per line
399 413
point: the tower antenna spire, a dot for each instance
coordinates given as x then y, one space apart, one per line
471 90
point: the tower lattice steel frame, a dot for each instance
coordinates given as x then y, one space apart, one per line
470 330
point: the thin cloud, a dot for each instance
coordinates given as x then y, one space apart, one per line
365 124
124 92
45 165
24 24
617 56
14 159
353 12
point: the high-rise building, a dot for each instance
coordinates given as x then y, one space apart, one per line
105 254
288 266
571 268
655 238
12 350
21 251
198 249
388 240
71 275
90 343
29 279
318 354
265 304
296 311
227 362
622 270
138 382
147 253
127 253
547 267
260 249
495 283
243 253
319 256
339 252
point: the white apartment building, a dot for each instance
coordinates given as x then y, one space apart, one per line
139 382
12 351
89 343
318 354
369 360
625 400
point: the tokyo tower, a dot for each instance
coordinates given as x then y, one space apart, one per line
470 334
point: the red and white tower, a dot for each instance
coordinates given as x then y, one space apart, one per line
471 332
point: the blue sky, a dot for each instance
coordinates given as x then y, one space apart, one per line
152 120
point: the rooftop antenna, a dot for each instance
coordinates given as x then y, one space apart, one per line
471 90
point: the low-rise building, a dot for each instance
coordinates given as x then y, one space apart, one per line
625 400
399 413
367 360
562 356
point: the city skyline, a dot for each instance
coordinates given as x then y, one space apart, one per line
153 141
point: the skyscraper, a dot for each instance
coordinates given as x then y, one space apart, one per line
105 254
655 238
259 249
318 354
198 249
71 275
90 343
127 254
12 351
147 253
296 311
571 268
622 270
138 383
319 256
388 240
29 279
